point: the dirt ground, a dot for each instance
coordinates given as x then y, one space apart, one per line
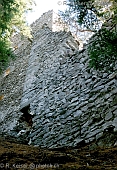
22 157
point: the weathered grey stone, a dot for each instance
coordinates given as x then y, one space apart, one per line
84 109
99 135
78 113
77 134
74 99
69 118
93 133
91 139
77 141
115 113
108 116
74 130
106 125
115 123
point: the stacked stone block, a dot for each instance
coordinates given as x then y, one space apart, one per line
71 103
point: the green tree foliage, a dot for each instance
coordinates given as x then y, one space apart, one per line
80 11
103 51
12 20
91 14
5 54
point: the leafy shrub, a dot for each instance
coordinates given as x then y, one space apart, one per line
5 54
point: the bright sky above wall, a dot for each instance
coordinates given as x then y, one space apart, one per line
43 6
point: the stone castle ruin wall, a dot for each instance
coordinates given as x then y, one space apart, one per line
52 98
